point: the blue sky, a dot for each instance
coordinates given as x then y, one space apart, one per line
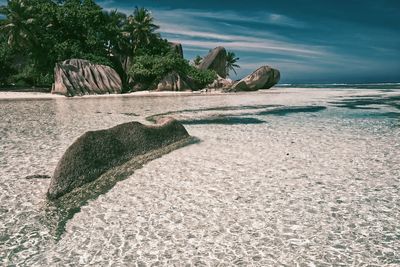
309 41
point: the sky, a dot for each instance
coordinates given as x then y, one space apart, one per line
309 41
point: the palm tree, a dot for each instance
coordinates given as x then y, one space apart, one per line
18 23
140 28
116 22
231 61
197 60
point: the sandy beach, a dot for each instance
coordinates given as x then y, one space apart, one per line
10 95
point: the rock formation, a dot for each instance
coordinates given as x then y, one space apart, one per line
81 77
95 152
177 48
263 78
215 60
173 82
221 83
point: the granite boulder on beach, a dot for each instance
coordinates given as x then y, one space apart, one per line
263 78
96 152
173 82
215 60
82 77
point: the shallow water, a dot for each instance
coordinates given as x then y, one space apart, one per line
279 177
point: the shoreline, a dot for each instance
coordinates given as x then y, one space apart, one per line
12 95
9 95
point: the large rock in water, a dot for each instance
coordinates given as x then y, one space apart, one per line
215 60
81 77
173 82
263 78
95 152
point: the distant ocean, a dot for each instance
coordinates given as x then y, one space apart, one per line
342 85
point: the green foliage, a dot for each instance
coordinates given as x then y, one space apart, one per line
113 30
44 33
35 34
31 76
197 60
6 62
98 59
158 47
201 78
83 24
231 61
150 69
139 29
18 23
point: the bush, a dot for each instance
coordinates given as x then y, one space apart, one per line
150 69
201 78
6 62
98 60
30 76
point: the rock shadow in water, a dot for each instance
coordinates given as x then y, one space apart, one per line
130 114
239 118
97 160
227 120
290 110
38 176
153 118
390 115
356 107
59 211
362 102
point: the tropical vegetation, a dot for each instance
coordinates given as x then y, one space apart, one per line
147 69
35 34
231 62
197 60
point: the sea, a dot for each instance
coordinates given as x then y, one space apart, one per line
298 175
378 86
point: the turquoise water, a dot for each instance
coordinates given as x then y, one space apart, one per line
279 177
379 86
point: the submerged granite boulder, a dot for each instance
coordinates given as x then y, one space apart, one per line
81 77
263 78
173 82
96 152
215 60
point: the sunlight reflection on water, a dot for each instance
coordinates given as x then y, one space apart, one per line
319 187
